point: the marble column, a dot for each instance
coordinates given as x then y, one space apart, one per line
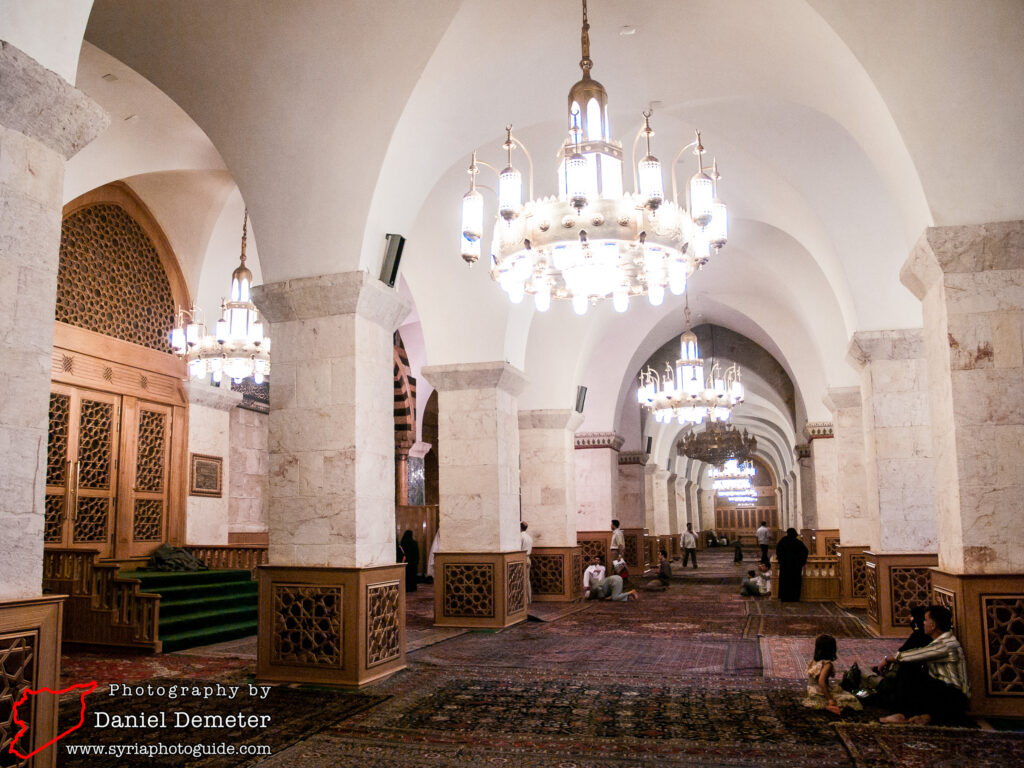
970 280
479 449
897 440
856 522
673 505
825 477
629 510
650 495
807 509
547 476
597 479
692 515
209 433
44 121
249 481
332 506
661 509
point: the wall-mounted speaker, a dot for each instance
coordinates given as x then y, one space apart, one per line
392 258
650 444
581 398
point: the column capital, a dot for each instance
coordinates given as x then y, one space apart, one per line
343 293
43 106
219 398
971 248
661 474
599 440
632 457
837 398
869 346
468 376
567 419
816 430
419 450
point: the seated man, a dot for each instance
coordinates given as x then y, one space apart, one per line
749 586
940 688
596 586
764 579
662 574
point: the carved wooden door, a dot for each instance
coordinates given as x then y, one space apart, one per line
82 468
145 486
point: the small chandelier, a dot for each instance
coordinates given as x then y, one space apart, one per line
593 241
684 394
732 477
238 348
717 444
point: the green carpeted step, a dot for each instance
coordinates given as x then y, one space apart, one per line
209 619
190 591
198 604
153 581
207 636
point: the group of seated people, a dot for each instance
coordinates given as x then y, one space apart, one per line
598 585
758 583
925 681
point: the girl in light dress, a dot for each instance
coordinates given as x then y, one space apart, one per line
823 692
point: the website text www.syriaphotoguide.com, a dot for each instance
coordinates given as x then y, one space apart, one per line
156 750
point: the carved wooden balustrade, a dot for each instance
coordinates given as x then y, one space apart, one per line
821 579
103 608
231 556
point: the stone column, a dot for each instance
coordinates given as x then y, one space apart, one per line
825 477
856 522
970 280
650 505
661 510
597 479
44 121
332 506
630 507
480 570
692 515
209 433
249 482
547 475
807 510
677 511
897 439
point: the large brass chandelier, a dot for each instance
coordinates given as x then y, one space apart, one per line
238 348
683 394
717 444
593 241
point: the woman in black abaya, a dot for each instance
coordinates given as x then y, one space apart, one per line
792 556
412 560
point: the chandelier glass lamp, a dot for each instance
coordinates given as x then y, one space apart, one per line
592 240
684 394
732 476
238 347
717 443
748 496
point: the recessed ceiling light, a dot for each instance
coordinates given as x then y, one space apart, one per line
110 77
627 30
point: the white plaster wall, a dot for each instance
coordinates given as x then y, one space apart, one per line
209 431
597 481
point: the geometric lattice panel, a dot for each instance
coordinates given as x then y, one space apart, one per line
111 280
858 575
908 587
592 548
149 518
547 574
515 588
1004 644
149 467
577 568
831 546
57 441
946 599
91 519
53 532
17 672
872 586
633 549
95 440
307 625
469 590
383 624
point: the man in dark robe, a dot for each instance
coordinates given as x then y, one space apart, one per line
792 555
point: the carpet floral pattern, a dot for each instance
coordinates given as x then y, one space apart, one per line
909 746
788 657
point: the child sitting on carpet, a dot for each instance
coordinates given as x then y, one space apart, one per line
822 691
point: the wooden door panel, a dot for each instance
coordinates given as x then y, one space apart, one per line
58 466
151 472
93 442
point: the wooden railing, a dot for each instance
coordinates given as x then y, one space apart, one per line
231 556
821 579
104 609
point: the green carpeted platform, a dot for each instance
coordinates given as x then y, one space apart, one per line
201 607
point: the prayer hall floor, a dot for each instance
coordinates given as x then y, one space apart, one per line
694 676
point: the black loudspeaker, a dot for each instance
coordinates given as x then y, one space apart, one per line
581 397
650 444
392 257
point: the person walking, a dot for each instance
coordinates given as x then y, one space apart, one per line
618 545
526 544
689 544
792 555
764 540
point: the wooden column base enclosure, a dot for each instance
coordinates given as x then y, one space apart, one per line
556 574
853 575
482 590
331 626
896 583
30 658
988 619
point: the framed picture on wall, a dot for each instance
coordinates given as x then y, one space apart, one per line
206 475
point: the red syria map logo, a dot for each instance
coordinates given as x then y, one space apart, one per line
84 688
